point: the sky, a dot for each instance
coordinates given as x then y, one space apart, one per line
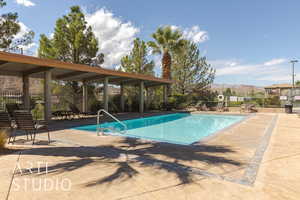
247 42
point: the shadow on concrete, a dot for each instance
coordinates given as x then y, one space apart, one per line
130 152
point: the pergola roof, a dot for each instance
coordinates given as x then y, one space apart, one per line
18 65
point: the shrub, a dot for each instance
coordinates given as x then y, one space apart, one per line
96 105
272 101
38 112
3 138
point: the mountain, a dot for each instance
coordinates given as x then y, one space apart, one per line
240 89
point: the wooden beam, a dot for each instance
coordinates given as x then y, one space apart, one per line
69 75
154 84
10 73
36 70
99 78
131 82
2 63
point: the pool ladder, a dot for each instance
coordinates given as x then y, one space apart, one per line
99 129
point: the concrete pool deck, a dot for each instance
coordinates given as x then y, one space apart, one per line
256 159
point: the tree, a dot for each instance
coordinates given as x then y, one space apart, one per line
136 61
190 70
73 41
298 83
166 43
228 92
9 28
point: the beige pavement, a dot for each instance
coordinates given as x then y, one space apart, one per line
81 165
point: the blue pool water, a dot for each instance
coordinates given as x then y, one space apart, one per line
178 128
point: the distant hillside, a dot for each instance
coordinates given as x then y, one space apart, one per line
240 89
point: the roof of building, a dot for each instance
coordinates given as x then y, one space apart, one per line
18 65
281 86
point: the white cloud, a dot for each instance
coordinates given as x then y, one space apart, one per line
194 33
23 30
272 70
26 3
115 36
275 62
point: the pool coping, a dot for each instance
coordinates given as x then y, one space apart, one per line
215 134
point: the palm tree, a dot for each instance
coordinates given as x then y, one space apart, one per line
166 41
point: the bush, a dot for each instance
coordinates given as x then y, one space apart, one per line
235 103
38 112
272 101
96 105
3 138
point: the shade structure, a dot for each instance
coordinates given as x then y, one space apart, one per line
27 66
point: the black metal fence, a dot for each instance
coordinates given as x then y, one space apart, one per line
7 97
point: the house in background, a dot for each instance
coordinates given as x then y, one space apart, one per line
281 90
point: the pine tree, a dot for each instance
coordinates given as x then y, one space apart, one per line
9 28
73 41
191 71
136 61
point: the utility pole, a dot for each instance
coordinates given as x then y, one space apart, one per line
293 76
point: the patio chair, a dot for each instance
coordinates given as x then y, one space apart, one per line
11 108
25 122
6 123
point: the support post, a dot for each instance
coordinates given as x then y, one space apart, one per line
122 97
141 92
147 99
47 95
165 93
84 97
105 93
26 96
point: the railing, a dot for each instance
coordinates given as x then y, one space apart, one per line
7 97
109 128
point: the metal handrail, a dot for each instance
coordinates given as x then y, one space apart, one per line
113 117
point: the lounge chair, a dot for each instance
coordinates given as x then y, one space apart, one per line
25 122
248 108
63 114
77 112
200 106
6 123
221 107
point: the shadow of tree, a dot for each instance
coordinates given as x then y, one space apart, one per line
129 152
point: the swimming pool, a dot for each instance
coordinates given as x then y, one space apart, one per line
178 128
